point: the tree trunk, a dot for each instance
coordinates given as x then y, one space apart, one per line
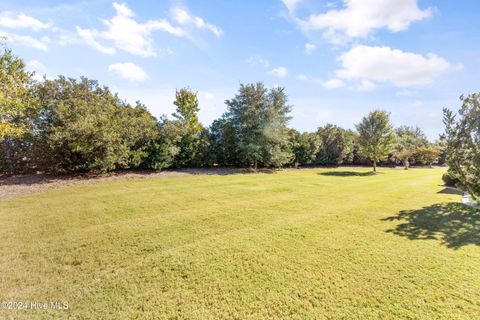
374 166
255 164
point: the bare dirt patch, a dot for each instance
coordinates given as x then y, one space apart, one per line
18 185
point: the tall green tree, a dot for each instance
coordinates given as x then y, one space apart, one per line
138 128
186 117
259 118
350 152
224 143
462 136
305 147
336 145
277 151
415 133
15 95
441 145
376 136
163 150
17 109
204 156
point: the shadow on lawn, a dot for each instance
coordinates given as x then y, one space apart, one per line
455 224
347 174
449 190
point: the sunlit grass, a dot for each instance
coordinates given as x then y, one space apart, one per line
319 243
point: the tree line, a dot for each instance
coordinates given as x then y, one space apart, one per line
70 125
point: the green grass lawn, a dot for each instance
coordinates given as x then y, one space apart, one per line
316 243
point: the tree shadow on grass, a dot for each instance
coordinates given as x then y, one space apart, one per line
347 174
454 224
449 190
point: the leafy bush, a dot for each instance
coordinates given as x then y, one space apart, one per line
84 127
428 155
336 145
449 179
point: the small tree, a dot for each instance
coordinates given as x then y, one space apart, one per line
404 155
405 148
409 139
376 136
428 155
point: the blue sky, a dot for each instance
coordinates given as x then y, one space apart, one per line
337 59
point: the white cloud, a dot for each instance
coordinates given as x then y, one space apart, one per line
180 15
291 4
128 71
165 26
371 65
123 32
201 24
360 18
88 36
183 17
279 72
22 21
310 48
10 20
258 60
333 83
127 34
27 41
366 85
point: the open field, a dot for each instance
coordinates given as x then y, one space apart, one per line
314 243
